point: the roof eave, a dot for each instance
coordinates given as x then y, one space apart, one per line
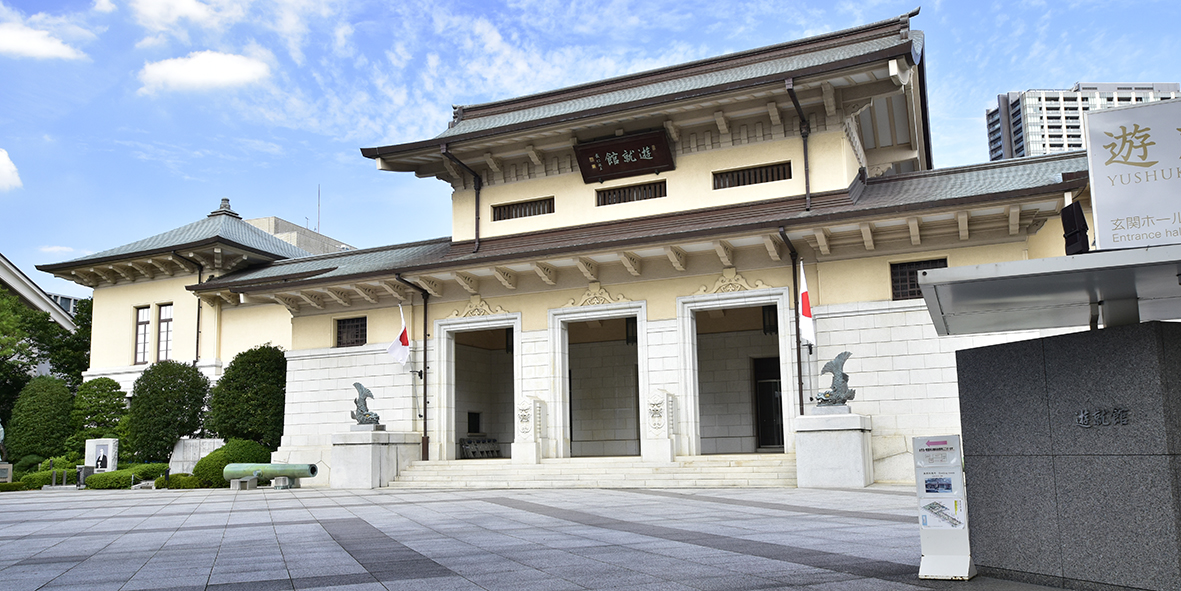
82 263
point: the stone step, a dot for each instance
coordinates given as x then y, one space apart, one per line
767 470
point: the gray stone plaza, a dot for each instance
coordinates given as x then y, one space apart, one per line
685 539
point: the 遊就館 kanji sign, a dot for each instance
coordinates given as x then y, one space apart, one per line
624 156
1134 155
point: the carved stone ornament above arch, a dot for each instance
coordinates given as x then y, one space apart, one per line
730 282
595 295
477 307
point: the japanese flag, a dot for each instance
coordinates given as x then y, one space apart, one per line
807 326
400 348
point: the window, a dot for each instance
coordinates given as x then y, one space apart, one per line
164 333
350 332
752 176
632 193
522 209
904 277
143 320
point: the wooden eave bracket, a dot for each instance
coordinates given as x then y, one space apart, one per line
725 252
773 112
830 99
676 256
470 283
128 275
506 277
340 296
961 218
589 268
899 71
821 235
366 292
143 269
673 131
229 297
77 277
164 268
109 278
535 156
913 223
867 234
430 284
313 299
286 301
774 247
547 273
1014 219
631 262
722 122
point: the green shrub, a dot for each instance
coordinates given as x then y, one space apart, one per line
69 460
12 486
41 418
29 463
37 480
166 405
98 407
179 481
236 451
122 478
247 402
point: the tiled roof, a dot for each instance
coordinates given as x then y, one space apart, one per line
765 65
217 227
1007 179
678 86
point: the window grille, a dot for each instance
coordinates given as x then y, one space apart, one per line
904 277
752 176
522 209
350 332
632 193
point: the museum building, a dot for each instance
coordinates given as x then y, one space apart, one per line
616 300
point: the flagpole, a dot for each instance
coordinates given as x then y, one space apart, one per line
426 438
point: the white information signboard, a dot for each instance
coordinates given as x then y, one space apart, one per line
943 513
1134 155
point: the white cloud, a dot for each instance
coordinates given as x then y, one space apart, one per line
104 6
202 70
56 249
163 15
9 178
19 40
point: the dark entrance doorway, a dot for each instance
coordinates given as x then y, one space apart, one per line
768 402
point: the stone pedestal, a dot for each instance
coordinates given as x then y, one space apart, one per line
1072 447
370 458
5 472
833 450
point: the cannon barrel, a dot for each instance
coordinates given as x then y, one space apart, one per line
269 471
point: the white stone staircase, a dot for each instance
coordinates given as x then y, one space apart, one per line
746 470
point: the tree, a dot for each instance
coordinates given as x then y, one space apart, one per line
247 402
166 404
29 336
13 379
99 405
40 419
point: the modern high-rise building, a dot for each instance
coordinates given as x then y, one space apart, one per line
1037 122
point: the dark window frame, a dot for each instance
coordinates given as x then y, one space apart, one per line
904 282
143 335
164 332
352 332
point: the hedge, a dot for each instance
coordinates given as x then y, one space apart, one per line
236 451
180 480
122 478
35 480
12 486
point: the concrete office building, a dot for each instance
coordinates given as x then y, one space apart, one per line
1037 122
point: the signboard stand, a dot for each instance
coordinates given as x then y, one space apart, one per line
943 513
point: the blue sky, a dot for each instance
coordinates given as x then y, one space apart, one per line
120 119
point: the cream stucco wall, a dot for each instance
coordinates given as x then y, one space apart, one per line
245 327
113 329
831 160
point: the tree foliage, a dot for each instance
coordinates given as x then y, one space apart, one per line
99 405
166 404
29 337
40 419
247 402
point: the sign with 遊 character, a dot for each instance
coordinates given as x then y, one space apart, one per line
624 156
